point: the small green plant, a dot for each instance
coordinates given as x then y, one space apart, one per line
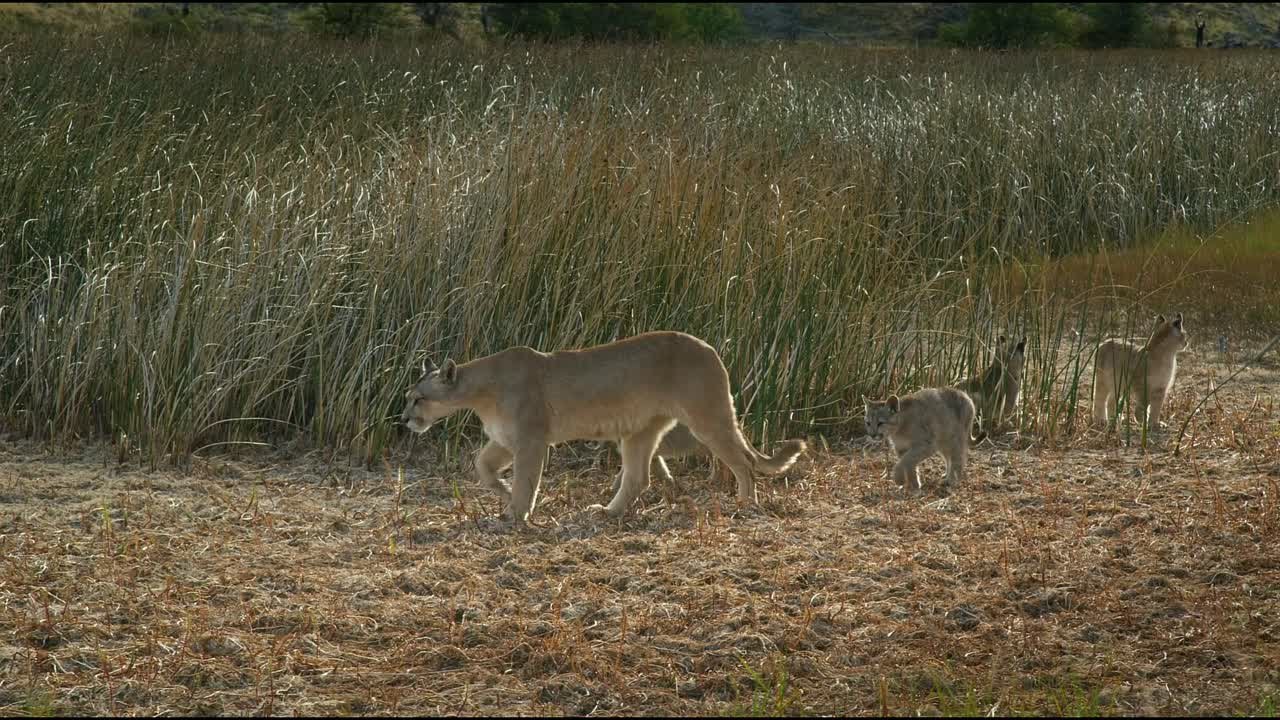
38 703
1068 697
771 695
1268 705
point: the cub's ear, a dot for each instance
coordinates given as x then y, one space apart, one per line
449 372
1160 319
892 402
1178 321
1022 344
1000 340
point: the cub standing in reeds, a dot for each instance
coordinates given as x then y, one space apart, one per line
995 391
933 420
1146 373
635 389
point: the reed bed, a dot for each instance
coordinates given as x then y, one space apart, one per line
248 241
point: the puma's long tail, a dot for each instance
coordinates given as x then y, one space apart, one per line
781 459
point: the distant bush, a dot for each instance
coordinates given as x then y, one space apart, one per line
1038 25
1122 24
164 21
1167 34
1011 25
358 19
701 22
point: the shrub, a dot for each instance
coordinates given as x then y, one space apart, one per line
705 22
1109 25
1010 25
358 19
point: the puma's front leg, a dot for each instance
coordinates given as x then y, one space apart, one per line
490 461
526 478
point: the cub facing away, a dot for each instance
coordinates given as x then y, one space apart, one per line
995 391
635 389
1146 373
929 421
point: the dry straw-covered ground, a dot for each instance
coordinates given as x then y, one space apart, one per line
1080 576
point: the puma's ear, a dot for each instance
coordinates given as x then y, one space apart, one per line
428 367
1000 340
892 402
1022 344
449 372
1178 321
1160 319
865 401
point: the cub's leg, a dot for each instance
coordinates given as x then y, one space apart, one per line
957 456
1103 388
899 470
1157 406
526 476
999 412
491 460
1011 401
907 467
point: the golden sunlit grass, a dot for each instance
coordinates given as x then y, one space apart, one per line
1227 278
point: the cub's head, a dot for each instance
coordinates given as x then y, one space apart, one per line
1169 336
432 398
1013 355
879 415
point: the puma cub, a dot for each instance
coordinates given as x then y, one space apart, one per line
995 391
1144 373
933 420
635 389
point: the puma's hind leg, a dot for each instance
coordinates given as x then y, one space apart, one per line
637 454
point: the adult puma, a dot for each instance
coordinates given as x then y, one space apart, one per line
635 389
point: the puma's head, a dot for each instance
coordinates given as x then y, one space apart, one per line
432 398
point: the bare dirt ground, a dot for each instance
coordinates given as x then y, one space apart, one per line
1079 576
